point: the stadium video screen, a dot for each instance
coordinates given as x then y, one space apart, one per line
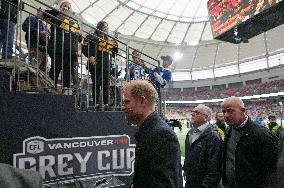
225 14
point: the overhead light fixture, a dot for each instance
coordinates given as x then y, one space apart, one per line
177 55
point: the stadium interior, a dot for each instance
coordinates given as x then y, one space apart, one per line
243 58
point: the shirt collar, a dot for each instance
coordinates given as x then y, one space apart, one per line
201 128
243 123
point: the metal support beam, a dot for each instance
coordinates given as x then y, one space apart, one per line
214 62
266 50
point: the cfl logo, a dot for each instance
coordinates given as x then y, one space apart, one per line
35 146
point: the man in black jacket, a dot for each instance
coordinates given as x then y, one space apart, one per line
36 39
203 148
8 20
63 43
157 153
250 152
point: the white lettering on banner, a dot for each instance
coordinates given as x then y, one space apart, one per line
30 161
80 144
82 161
130 159
45 165
115 159
83 157
62 164
102 154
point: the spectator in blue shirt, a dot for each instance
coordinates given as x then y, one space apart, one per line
259 121
161 76
136 67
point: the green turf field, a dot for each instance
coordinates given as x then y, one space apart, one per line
181 137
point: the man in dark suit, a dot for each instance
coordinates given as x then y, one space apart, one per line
250 152
203 149
157 153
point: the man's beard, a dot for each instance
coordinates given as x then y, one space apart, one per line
134 117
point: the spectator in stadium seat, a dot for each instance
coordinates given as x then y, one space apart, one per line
259 121
250 151
203 149
157 154
18 178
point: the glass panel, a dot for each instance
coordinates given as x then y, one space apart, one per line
148 27
163 30
194 33
177 33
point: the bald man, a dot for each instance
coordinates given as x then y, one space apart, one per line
202 165
157 154
250 151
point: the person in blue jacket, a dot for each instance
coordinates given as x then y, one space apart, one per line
161 76
36 38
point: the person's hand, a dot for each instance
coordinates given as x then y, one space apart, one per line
112 78
92 60
159 78
78 33
141 63
44 33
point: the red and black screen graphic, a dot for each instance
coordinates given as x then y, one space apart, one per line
225 14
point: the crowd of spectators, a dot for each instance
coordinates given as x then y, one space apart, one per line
256 108
205 93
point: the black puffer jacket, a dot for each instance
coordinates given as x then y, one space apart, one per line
62 37
157 155
255 156
202 165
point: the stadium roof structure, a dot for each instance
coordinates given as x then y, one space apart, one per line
182 28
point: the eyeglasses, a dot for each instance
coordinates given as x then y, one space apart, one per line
196 113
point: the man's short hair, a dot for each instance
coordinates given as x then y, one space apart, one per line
167 58
140 88
206 110
271 116
235 100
